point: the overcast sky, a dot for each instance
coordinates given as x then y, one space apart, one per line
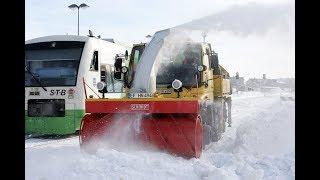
251 46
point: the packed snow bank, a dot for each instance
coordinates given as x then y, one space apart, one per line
246 94
259 145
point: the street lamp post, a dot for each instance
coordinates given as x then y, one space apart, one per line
74 6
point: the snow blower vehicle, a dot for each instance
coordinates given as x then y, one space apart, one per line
189 109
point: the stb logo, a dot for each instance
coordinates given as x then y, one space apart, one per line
139 107
71 93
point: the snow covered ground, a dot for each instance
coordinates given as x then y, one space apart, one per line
259 145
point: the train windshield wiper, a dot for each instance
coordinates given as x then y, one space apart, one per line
38 80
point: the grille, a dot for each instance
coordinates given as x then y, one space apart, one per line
46 107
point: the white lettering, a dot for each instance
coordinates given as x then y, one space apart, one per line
139 107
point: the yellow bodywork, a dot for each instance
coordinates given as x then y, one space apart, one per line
210 87
221 86
216 87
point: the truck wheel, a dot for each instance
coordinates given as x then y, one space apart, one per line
217 121
229 104
207 134
225 115
221 117
207 122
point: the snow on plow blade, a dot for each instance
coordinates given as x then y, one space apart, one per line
172 126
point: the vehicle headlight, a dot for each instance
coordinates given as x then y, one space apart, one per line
124 69
200 68
176 84
101 85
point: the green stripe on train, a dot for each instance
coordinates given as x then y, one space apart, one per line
54 125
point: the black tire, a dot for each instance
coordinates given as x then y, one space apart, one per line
216 136
206 117
213 121
229 105
218 120
225 115
207 134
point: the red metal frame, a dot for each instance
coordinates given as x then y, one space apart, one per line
84 87
177 134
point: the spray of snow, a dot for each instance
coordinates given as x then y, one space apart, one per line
121 135
251 22
248 19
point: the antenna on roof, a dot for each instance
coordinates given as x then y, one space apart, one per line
90 33
204 35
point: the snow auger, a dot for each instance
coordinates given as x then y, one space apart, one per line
189 109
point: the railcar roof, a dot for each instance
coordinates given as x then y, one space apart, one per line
58 38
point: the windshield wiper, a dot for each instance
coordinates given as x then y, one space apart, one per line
38 81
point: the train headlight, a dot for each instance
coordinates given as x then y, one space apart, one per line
124 69
101 85
176 84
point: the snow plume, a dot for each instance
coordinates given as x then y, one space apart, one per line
246 19
250 39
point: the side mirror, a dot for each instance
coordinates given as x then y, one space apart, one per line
126 54
117 68
214 61
207 52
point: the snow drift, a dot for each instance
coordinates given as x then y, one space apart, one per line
260 145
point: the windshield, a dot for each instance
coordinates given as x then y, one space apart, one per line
134 60
180 63
53 63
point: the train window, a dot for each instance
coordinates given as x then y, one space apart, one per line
94 62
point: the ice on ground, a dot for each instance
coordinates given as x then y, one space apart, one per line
259 145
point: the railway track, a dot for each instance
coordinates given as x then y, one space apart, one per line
32 142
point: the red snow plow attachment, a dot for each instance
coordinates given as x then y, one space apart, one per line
169 125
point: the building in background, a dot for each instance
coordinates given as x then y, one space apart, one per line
266 84
237 83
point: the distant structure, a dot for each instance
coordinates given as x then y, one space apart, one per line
266 84
237 83
287 83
